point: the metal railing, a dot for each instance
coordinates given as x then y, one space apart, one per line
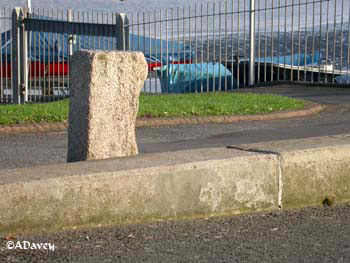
215 46
288 40
5 60
43 42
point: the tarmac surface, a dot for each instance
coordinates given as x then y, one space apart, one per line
306 235
23 150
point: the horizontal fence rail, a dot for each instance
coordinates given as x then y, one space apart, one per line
63 27
198 48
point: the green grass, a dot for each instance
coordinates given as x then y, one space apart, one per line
31 113
162 106
215 104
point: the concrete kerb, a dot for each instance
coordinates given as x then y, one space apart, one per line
234 183
314 171
185 184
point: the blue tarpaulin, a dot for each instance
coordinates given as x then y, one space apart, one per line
195 78
295 60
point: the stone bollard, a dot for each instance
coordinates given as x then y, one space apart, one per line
105 89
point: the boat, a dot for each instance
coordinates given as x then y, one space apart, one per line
48 52
310 67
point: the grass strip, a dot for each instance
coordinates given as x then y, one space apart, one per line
175 105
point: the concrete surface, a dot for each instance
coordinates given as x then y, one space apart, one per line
200 183
311 235
322 164
104 102
312 177
100 196
39 149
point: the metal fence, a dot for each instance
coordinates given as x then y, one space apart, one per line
5 64
294 40
41 43
199 48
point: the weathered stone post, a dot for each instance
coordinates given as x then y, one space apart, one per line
105 89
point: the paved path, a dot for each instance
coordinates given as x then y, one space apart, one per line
308 235
38 149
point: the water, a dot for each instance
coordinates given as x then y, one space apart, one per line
298 18
284 18
134 6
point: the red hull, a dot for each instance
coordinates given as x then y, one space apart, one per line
39 69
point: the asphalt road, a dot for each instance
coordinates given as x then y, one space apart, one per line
308 235
38 149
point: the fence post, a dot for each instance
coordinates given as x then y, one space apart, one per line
252 44
70 37
19 57
24 55
122 26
